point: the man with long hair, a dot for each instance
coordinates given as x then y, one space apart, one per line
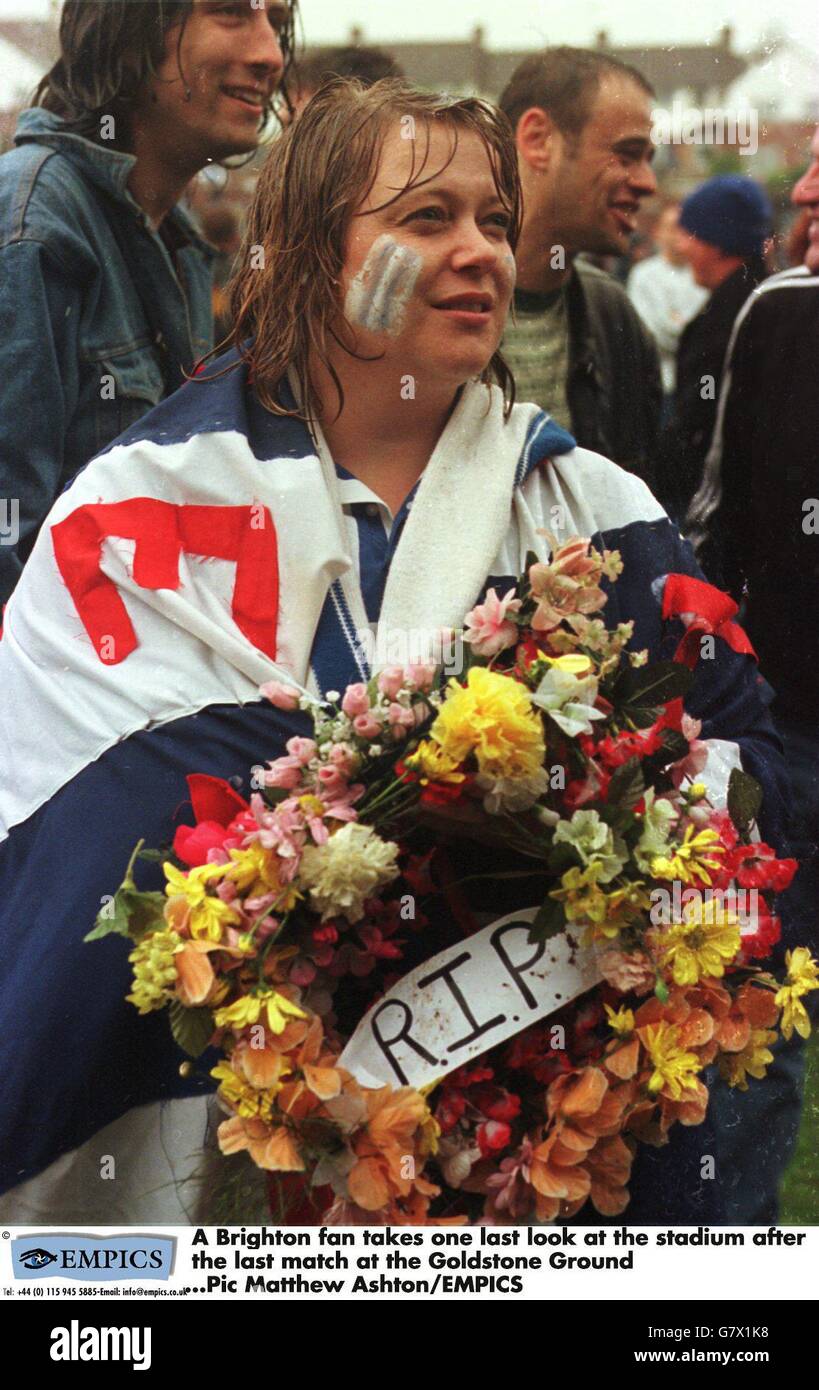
105 293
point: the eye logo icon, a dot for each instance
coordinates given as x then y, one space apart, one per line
37 1259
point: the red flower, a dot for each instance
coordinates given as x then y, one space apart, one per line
326 934
442 793
759 945
756 866
418 873
616 749
492 1136
449 1109
496 1103
192 843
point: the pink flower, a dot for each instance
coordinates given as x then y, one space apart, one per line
488 628
302 749
284 772
331 781
281 695
692 764
356 701
629 972
391 680
344 758
400 719
421 675
366 726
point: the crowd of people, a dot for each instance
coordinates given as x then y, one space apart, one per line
680 405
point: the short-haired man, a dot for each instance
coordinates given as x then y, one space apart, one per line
105 288
575 344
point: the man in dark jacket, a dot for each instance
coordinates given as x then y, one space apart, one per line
723 224
755 524
105 288
575 344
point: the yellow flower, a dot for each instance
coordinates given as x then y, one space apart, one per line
702 943
277 1008
621 1021
574 662
428 1134
803 976
491 717
255 871
675 1071
243 1098
433 764
692 859
753 1060
606 913
154 971
207 914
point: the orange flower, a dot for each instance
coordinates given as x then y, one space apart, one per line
270 1148
557 1175
320 1079
195 977
384 1145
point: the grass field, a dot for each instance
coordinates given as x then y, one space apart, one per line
800 1189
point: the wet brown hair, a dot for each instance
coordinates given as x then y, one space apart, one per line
109 49
287 308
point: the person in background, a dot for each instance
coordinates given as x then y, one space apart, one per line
368 65
222 228
724 225
665 294
105 288
755 525
577 348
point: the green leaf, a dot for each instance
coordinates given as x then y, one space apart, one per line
129 913
155 856
744 798
627 784
192 1028
661 991
675 745
550 921
644 686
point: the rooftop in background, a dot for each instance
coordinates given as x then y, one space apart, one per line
702 69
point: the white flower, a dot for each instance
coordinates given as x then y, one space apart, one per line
657 821
352 866
569 700
594 841
512 793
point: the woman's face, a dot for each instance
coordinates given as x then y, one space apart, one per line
427 281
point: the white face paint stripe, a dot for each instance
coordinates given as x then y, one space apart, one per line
377 297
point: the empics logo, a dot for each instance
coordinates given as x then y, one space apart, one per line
93 1258
75 1343
37 1259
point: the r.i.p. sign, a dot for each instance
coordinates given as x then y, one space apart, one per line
466 1000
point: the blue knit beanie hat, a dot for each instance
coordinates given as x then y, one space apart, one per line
730 211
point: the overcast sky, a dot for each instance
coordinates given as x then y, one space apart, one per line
519 23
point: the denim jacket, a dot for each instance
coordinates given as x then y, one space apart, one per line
99 316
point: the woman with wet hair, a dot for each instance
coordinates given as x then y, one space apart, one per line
342 485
